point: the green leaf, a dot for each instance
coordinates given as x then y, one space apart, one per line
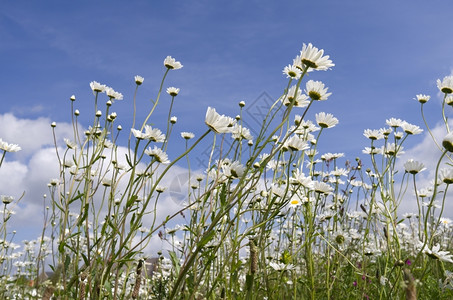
175 261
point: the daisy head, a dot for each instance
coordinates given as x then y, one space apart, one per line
172 91
313 58
326 120
316 90
172 64
446 85
422 98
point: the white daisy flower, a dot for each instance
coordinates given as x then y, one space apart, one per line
218 123
316 90
413 167
158 155
326 120
313 58
172 64
97 87
446 85
422 98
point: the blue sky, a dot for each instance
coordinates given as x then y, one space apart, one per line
385 53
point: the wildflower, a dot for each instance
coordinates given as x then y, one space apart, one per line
322 187
172 91
326 120
329 156
449 100
375 134
239 132
393 149
297 98
172 64
311 57
98 113
372 150
9 147
398 135
158 155
410 128
422 98
7 199
187 135
435 253
316 90
139 79
291 71
413 167
446 85
113 94
448 142
281 266
216 122
446 175
392 122
173 120
295 143
295 201
54 181
160 189
106 182
72 98
234 170
97 87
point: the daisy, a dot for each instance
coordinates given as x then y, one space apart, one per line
373 150
239 132
113 94
295 143
422 98
316 90
187 135
448 142
446 85
449 100
139 79
9 147
437 254
312 58
392 122
322 187
172 64
216 122
233 170
329 156
410 128
326 120
158 155
393 149
172 91
97 87
154 134
299 99
373 134
413 167
295 201
446 175
291 71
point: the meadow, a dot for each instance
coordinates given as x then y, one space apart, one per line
269 218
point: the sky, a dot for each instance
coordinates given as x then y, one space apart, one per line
385 52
